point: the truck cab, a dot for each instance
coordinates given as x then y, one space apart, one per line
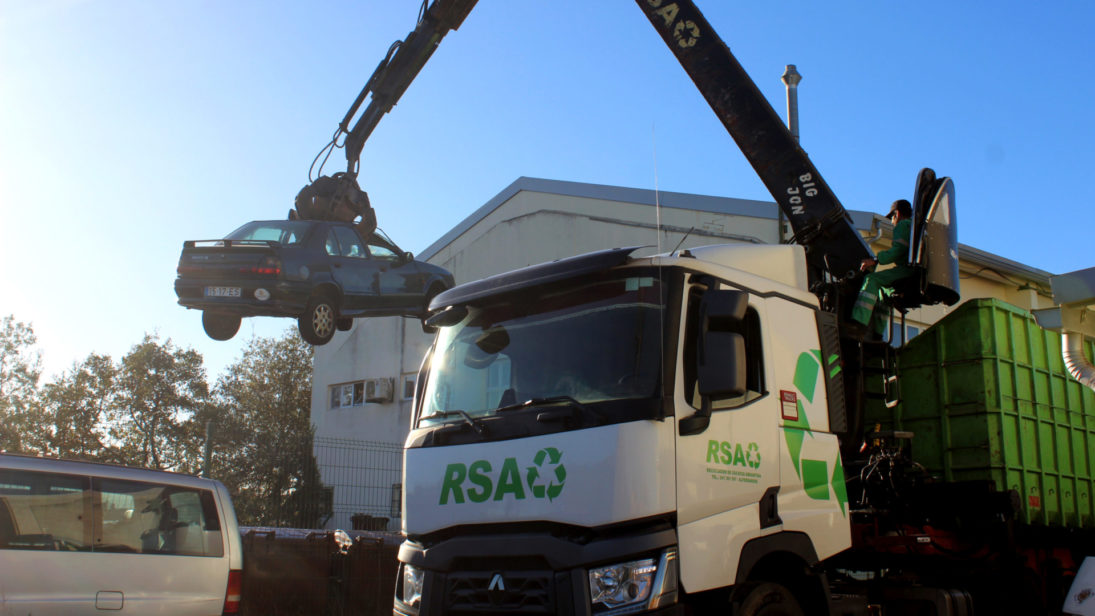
613 434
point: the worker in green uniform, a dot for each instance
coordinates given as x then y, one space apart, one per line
876 284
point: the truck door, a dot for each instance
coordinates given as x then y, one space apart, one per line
728 467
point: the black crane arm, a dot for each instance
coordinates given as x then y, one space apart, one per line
397 70
820 223
339 197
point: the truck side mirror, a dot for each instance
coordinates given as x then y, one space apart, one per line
721 369
720 354
723 310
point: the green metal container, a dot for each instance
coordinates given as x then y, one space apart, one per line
987 395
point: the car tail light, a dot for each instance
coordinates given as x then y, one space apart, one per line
232 594
270 266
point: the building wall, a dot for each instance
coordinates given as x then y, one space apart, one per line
533 221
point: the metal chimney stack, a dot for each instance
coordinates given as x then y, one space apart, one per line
790 79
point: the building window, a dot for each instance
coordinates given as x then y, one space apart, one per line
911 332
348 394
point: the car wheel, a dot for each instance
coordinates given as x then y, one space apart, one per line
344 324
220 326
317 324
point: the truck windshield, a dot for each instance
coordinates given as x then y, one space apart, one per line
581 343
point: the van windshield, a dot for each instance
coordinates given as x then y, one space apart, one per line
585 341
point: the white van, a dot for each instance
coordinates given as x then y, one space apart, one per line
84 538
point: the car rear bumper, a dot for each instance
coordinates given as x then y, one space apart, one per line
287 298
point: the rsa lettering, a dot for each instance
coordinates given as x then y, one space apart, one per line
685 31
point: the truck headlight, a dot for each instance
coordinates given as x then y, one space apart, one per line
634 586
412 585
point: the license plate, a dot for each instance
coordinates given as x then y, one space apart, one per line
222 291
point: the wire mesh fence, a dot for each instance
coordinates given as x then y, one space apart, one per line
313 568
365 482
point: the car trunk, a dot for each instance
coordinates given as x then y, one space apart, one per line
224 259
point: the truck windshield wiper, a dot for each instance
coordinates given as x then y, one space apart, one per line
471 421
548 400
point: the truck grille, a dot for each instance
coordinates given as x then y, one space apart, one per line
494 592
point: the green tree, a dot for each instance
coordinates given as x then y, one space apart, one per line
264 435
20 369
159 388
74 409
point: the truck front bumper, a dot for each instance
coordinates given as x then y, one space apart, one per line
536 573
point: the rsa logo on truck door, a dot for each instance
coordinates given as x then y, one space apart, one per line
478 482
685 31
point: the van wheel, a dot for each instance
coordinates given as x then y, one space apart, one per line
765 599
220 326
317 324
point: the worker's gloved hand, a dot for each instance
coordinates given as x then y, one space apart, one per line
867 264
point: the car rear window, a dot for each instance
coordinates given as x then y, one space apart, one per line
285 232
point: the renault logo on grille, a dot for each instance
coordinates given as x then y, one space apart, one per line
497 583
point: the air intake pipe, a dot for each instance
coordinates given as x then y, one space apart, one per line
1072 293
1072 349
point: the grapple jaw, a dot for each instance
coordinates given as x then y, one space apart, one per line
336 197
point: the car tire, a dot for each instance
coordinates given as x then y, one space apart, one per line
320 320
219 325
344 324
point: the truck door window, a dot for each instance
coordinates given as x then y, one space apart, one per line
754 357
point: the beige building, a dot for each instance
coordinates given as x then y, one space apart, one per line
364 379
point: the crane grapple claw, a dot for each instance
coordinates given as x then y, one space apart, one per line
337 197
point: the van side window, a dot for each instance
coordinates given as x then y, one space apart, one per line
148 518
43 511
754 356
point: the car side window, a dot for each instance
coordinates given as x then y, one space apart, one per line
332 244
382 252
149 518
43 511
349 243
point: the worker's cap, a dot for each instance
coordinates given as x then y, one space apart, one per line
902 206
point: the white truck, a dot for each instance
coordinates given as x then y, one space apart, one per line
688 432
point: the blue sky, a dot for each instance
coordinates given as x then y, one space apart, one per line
129 126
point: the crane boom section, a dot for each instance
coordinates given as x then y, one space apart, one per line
396 72
820 223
